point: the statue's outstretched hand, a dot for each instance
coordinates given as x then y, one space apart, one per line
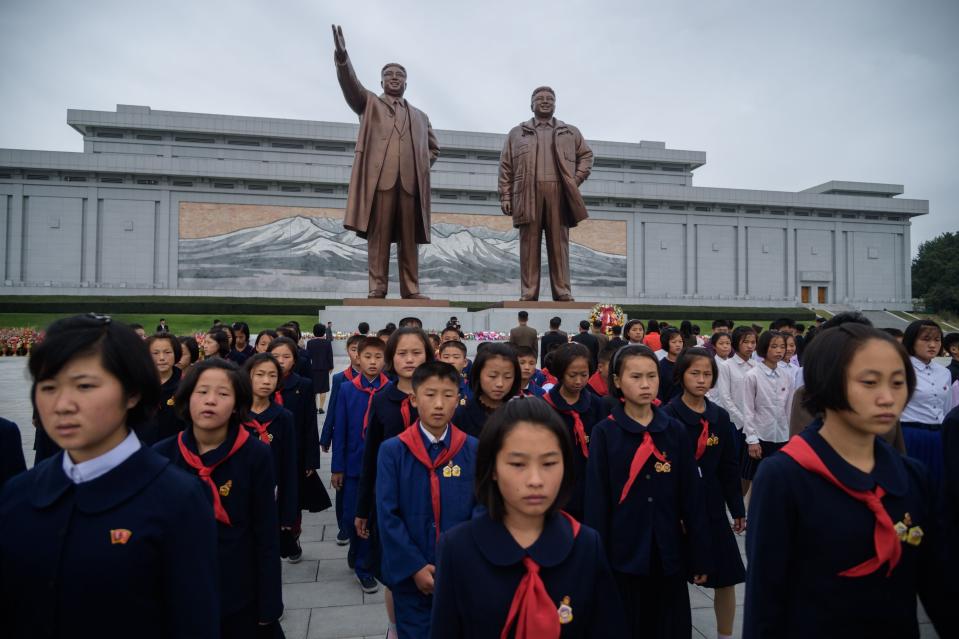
339 42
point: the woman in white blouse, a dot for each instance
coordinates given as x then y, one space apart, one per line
732 372
923 416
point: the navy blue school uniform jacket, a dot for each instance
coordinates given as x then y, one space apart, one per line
281 438
297 393
131 553
804 531
165 422
722 487
304 366
471 416
667 387
326 437
391 414
950 484
591 411
533 390
481 565
665 498
349 433
12 462
321 363
248 546
405 516
240 357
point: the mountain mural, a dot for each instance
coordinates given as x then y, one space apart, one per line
318 254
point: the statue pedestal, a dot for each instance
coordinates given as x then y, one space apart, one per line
395 303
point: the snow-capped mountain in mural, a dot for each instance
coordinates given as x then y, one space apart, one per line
318 254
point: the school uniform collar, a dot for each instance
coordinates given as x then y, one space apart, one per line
169 387
500 549
920 365
272 412
769 372
430 440
103 493
690 417
889 471
659 424
739 361
101 465
290 382
211 457
476 410
581 405
392 393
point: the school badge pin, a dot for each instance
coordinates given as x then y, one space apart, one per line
463 401
269 436
565 611
457 471
225 488
120 536
170 402
662 467
448 470
712 440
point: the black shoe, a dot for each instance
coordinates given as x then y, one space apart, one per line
320 411
295 557
368 584
342 538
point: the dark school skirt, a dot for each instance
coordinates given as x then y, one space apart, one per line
750 465
924 442
728 568
657 607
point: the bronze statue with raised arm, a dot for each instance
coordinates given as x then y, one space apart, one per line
544 160
389 194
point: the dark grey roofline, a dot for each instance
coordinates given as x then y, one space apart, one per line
145 118
486 183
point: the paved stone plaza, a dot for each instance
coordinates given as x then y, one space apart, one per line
322 598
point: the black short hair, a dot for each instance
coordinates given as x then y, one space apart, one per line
564 356
606 354
721 322
175 345
800 328
686 360
525 351
354 339
523 315
846 317
122 353
415 322
597 323
189 343
284 341
288 331
435 369
949 341
762 344
268 332
394 341
384 332
554 322
718 336
222 342
616 329
912 332
135 325
452 328
619 360
739 334
666 334
452 343
319 329
895 332
242 390
491 350
259 358
583 325
827 359
500 423
363 328
370 343
782 322
652 326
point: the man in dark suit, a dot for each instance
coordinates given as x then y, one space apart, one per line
551 339
321 363
523 335
589 341
600 335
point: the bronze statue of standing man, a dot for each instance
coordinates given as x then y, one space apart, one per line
542 165
389 195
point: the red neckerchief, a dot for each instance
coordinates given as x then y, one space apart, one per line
703 437
646 449
349 373
550 378
278 397
260 429
371 391
598 383
414 441
532 609
885 538
579 431
206 472
407 413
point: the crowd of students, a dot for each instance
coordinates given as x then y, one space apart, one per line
565 487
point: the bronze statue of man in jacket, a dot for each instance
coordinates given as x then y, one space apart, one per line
541 167
389 195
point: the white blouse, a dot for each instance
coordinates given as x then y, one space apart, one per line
765 404
732 372
933 396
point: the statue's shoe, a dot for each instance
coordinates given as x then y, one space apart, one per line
527 298
416 296
565 298
376 296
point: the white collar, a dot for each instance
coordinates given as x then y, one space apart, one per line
739 360
429 435
918 364
93 468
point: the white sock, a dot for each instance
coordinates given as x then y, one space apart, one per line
720 635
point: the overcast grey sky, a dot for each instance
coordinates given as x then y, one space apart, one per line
780 95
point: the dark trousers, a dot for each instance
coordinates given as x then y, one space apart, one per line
393 217
548 217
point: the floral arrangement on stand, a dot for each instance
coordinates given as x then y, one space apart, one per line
18 341
609 314
487 336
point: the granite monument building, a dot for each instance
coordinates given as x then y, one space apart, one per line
163 202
